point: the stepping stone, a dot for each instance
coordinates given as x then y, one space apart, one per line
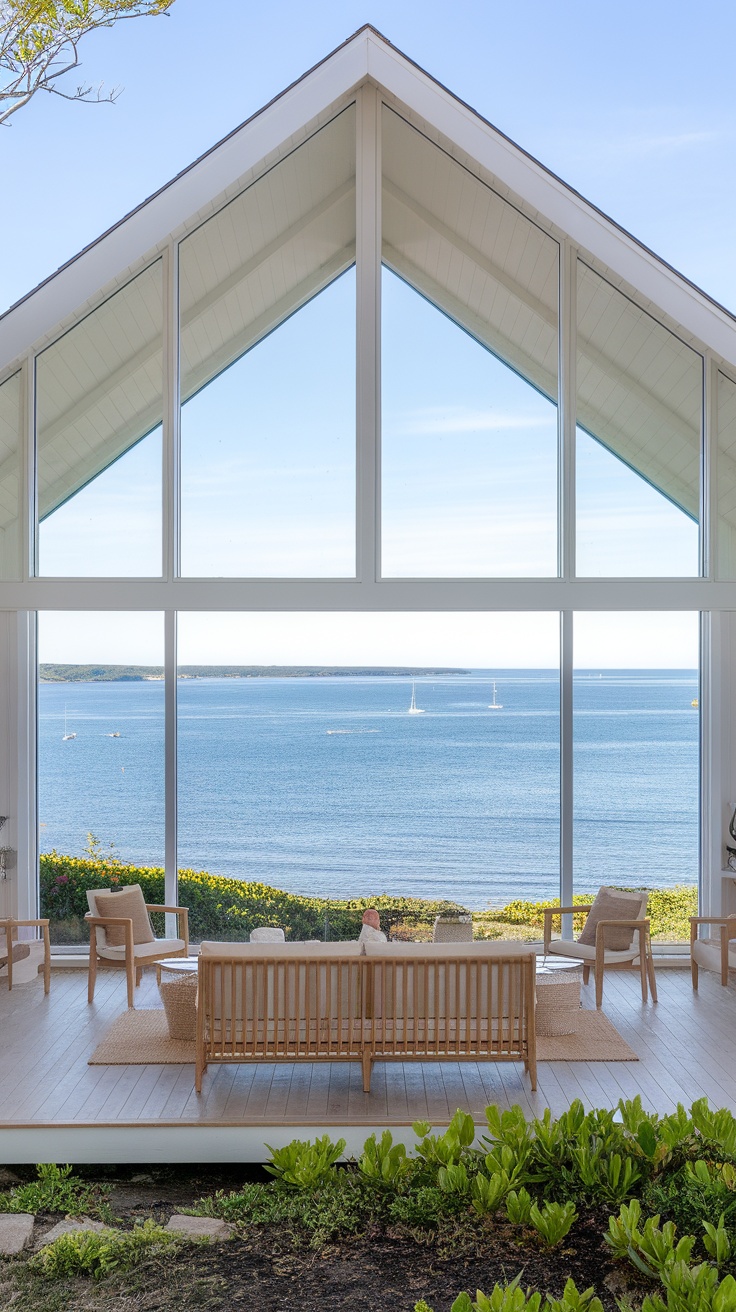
68 1227
199 1227
16 1229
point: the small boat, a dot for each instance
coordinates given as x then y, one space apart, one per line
67 735
695 703
414 709
495 705
112 735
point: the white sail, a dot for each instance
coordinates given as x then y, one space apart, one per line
413 708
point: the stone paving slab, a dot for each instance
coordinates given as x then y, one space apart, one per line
16 1229
68 1227
199 1227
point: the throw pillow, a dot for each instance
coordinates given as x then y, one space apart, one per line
129 902
611 904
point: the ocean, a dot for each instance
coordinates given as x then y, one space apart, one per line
328 786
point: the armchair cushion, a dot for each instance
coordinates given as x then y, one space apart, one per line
155 951
128 902
612 904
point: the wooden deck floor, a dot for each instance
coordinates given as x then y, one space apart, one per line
686 1045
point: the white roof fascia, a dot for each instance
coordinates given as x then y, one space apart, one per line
154 220
553 199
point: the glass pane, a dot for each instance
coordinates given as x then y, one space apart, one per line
726 477
469 415
268 372
100 760
302 769
10 479
99 409
636 761
639 408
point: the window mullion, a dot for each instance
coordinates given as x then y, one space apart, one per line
368 332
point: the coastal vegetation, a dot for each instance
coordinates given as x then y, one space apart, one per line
222 908
127 673
611 1210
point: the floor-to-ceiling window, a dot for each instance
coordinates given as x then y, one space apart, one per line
345 749
636 760
360 756
100 757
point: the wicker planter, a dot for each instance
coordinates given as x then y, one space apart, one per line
558 1002
179 996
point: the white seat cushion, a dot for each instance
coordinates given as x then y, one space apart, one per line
161 947
568 947
707 953
267 934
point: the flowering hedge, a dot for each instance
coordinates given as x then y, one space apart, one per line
221 908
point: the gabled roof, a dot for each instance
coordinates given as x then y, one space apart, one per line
367 55
467 218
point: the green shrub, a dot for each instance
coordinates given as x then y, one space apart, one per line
384 1162
552 1221
304 1164
55 1190
100 1253
447 1149
511 1298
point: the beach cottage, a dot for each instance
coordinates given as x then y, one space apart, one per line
364 182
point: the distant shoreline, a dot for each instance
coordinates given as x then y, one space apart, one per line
148 673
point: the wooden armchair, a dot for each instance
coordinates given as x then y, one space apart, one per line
121 935
10 952
613 940
713 953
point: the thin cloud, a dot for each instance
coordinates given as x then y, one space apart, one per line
422 422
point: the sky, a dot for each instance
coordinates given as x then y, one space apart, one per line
632 105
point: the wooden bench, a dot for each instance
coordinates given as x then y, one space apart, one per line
365 1002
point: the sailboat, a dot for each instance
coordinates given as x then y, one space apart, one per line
414 709
67 735
495 705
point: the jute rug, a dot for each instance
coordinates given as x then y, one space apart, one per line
595 1039
141 1038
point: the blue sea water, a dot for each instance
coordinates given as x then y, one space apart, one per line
327 786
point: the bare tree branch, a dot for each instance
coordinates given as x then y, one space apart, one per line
39 44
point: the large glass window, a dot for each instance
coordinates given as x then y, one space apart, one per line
100 760
725 473
640 399
365 756
268 372
10 478
636 760
99 404
469 373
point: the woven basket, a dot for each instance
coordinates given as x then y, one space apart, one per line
558 1002
179 996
